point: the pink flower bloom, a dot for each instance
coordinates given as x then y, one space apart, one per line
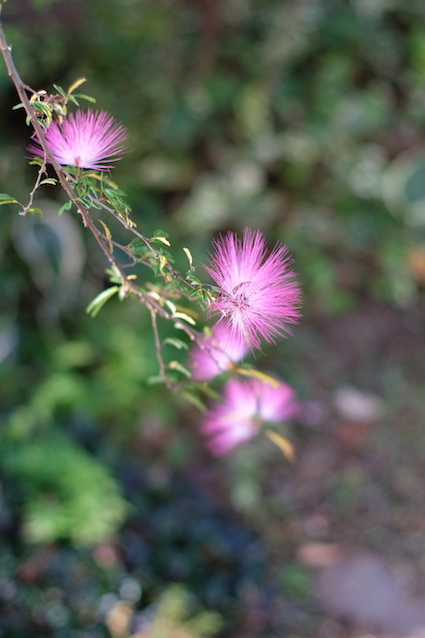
247 404
86 139
258 296
216 354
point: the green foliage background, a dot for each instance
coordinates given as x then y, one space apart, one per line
304 118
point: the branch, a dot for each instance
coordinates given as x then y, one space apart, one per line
131 229
62 175
154 305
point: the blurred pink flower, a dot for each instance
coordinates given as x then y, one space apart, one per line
86 139
258 296
246 405
216 354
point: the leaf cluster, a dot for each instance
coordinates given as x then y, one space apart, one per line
50 107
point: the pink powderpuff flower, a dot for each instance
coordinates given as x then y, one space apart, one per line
84 139
217 353
246 405
258 296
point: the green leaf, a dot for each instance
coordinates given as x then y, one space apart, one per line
18 106
194 400
182 285
59 109
43 108
60 90
65 207
99 301
37 161
7 199
138 247
193 280
11 201
208 391
56 466
36 211
177 343
185 317
171 306
116 197
257 374
175 365
85 97
163 240
49 180
114 275
155 380
165 253
282 443
189 256
76 84
88 203
161 233
203 296
72 98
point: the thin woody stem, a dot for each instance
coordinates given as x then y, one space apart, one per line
158 347
42 171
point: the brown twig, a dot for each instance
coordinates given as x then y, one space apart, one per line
42 171
158 346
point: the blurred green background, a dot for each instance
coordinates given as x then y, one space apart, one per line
304 118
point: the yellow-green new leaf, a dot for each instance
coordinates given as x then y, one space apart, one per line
76 84
180 345
194 400
108 234
163 240
185 317
189 256
35 211
7 199
262 376
175 365
155 380
99 301
283 444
